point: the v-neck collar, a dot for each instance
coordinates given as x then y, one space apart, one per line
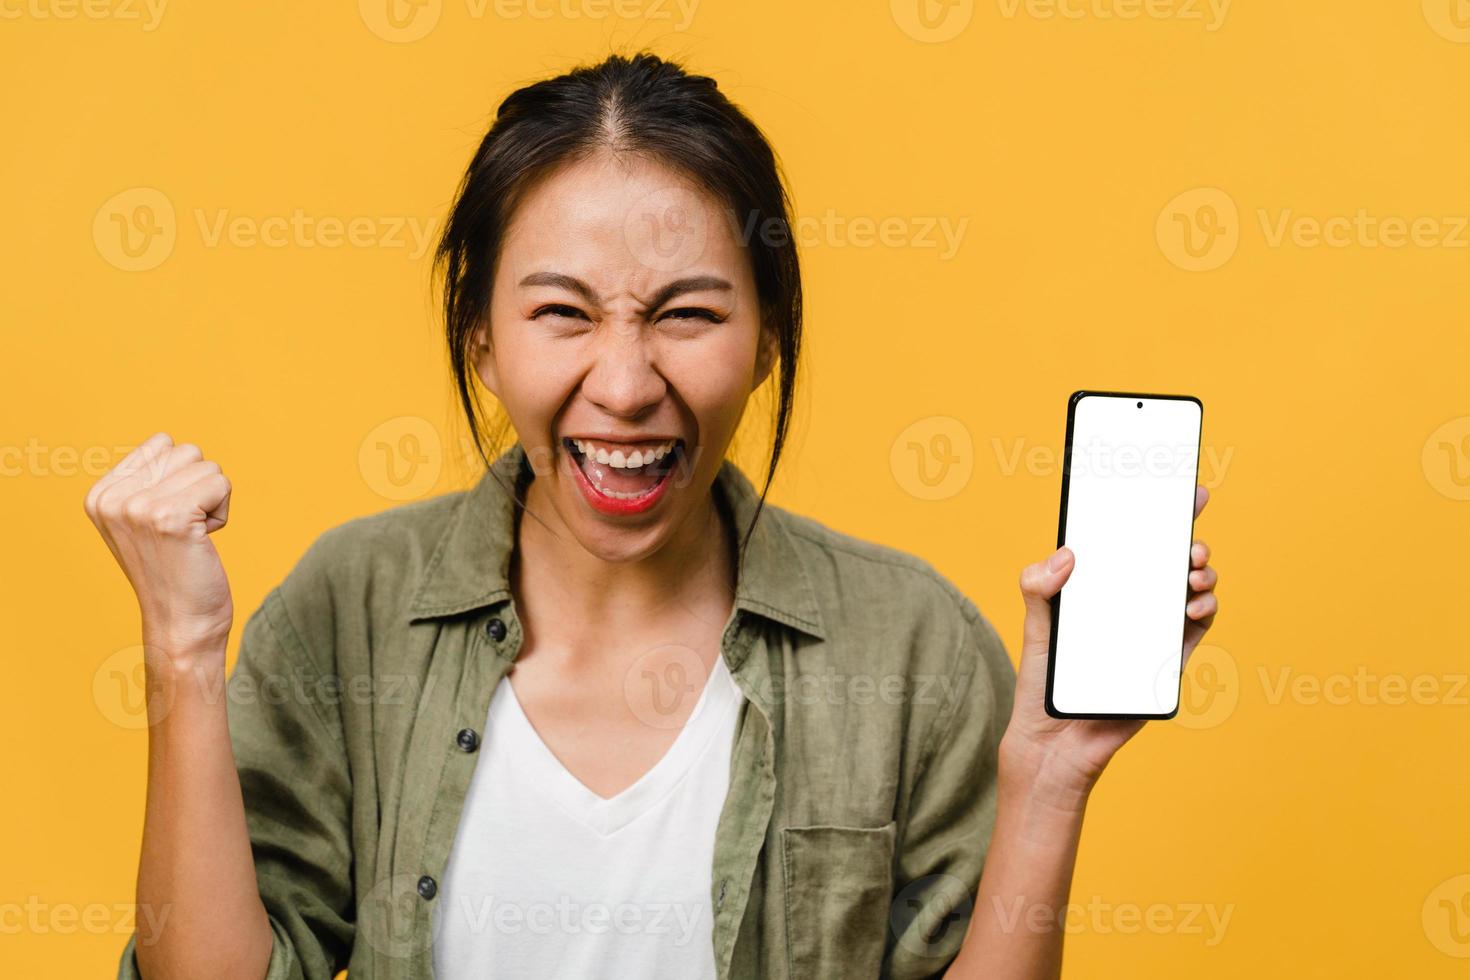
607 815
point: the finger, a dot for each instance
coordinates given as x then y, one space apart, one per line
1195 629
1199 554
212 496
154 465
1202 607
1039 582
112 499
1201 497
180 456
195 491
187 497
150 447
182 479
1203 579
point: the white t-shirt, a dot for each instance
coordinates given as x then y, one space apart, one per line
547 879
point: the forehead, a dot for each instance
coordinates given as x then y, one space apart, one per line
623 222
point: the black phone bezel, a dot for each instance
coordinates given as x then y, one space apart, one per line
1056 600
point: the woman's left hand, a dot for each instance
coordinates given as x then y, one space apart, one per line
1065 756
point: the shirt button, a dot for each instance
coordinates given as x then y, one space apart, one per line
467 740
428 887
496 629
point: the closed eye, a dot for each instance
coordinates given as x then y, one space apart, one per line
557 309
694 313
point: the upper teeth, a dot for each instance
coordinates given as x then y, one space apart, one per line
620 460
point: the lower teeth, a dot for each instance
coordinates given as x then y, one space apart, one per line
617 494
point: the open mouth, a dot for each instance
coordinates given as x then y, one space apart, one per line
623 478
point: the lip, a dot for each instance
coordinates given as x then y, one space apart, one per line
636 443
613 506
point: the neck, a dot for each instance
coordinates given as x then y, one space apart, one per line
692 573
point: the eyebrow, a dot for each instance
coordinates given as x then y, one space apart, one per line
690 284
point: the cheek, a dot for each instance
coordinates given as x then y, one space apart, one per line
713 378
534 380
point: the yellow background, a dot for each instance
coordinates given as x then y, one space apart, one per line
1076 148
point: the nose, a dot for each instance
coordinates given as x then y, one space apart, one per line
622 380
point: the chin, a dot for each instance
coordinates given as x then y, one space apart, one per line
620 545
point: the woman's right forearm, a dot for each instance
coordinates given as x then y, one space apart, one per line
197 889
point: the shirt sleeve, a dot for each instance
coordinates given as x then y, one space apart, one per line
286 732
952 811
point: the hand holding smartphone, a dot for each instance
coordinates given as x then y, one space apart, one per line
1130 469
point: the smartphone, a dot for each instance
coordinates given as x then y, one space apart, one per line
1128 486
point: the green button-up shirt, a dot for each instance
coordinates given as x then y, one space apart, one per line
862 779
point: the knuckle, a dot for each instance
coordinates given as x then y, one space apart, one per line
135 509
106 510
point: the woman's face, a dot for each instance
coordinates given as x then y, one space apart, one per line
624 341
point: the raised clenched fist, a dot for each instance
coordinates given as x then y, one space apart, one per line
156 510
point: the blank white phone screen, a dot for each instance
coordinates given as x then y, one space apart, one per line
1129 521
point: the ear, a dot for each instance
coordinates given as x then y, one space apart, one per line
482 355
765 355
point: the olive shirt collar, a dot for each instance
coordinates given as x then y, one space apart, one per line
470 567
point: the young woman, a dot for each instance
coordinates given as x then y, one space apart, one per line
604 714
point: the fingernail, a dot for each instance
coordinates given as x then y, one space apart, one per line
1057 560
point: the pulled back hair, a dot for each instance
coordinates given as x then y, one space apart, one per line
645 107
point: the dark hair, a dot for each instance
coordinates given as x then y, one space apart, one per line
641 106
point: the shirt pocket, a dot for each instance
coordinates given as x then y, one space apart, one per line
839 883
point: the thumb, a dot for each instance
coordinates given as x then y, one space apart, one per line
1039 582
